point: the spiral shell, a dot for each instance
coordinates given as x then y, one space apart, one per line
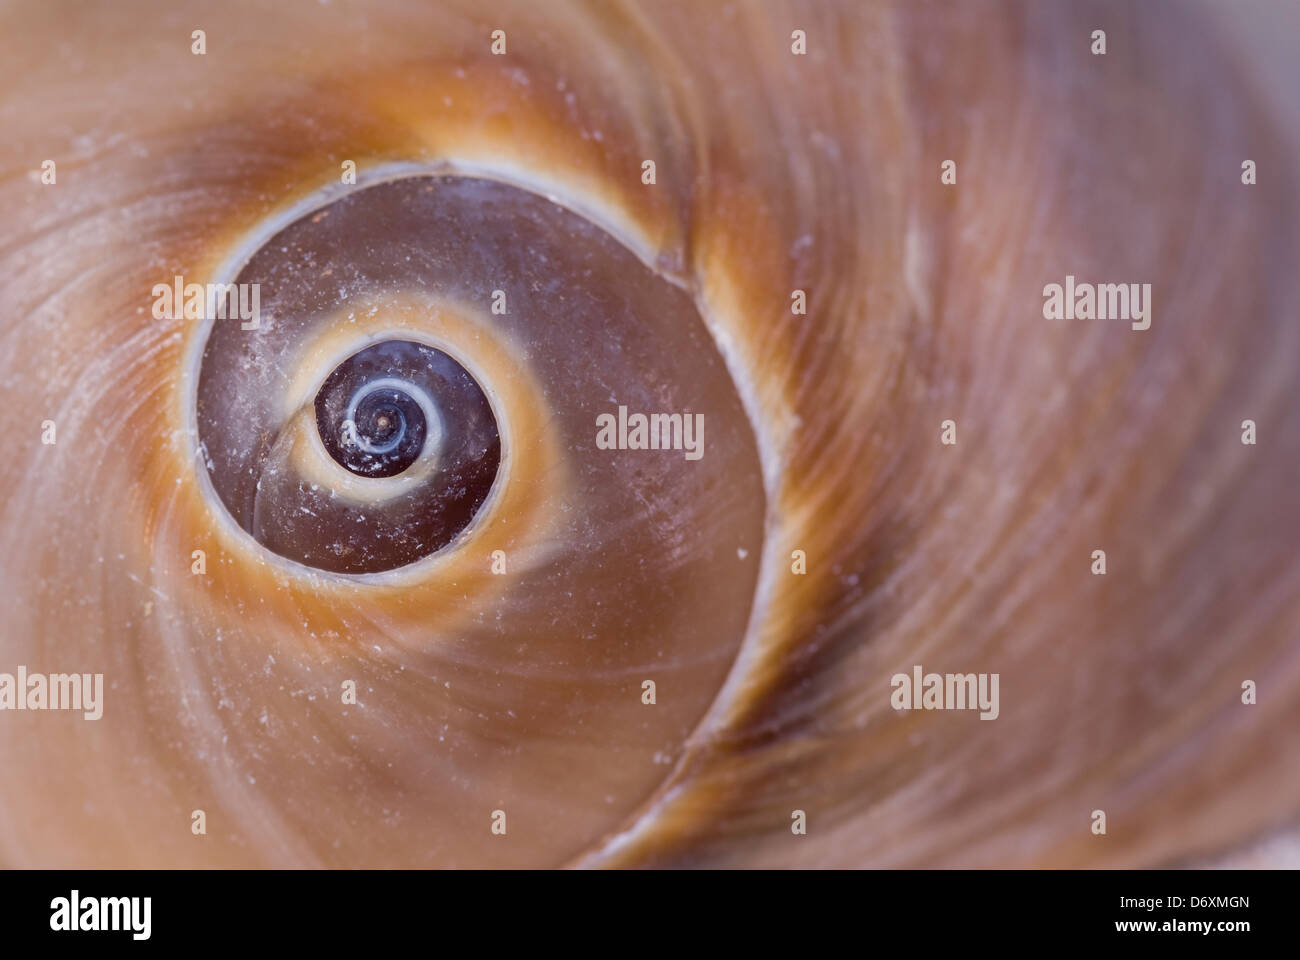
497 641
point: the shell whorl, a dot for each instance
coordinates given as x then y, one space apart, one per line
498 629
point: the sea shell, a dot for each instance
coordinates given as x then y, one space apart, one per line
617 657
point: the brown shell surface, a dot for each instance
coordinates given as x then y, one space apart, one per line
774 172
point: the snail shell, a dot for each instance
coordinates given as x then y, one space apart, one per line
497 615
